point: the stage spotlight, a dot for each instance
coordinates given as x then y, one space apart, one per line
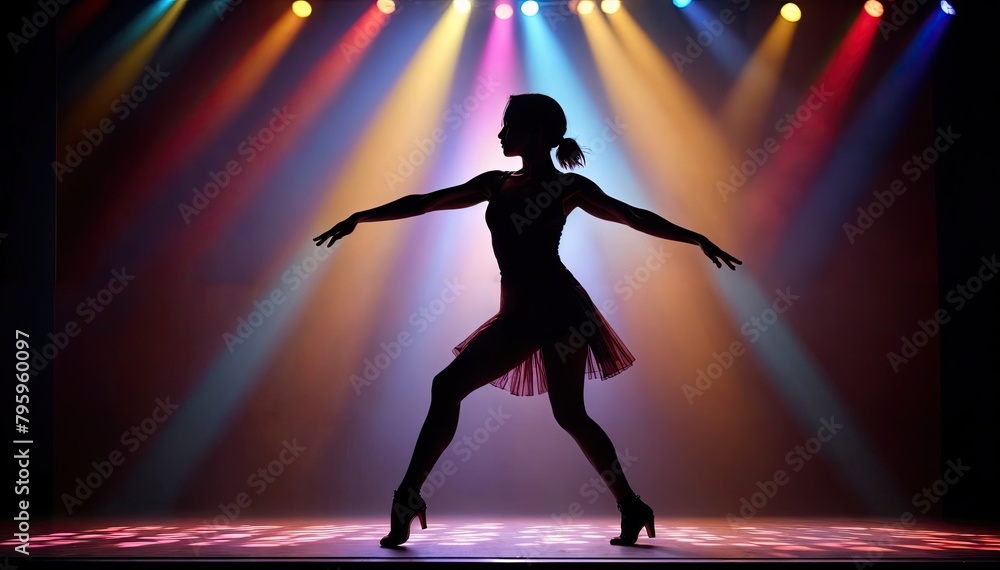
504 11
301 8
681 3
611 6
386 6
947 8
529 8
874 8
791 12
585 6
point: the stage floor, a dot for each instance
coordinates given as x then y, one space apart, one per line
526 540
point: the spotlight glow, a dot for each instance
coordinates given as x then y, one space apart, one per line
585 6
874 8
463 6
301 8
529 8
504 11
947 8
791 12
611 6
386 6
681 3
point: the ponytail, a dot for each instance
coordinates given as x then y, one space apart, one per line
570 154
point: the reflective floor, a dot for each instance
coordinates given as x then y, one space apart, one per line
522 539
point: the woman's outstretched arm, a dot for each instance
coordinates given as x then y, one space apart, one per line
462 196
594 201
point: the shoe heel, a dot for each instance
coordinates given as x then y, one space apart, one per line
423 519
650 531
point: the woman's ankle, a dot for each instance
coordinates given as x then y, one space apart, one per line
408 495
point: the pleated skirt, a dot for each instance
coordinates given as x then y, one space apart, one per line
553 313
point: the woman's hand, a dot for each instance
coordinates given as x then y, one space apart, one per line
715 253
338 231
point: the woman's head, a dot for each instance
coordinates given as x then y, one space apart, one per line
533 122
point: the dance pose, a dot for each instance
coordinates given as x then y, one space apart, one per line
533 344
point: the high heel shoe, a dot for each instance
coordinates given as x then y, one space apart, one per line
404 508
635 515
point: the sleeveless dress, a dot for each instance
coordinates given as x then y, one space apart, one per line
538 294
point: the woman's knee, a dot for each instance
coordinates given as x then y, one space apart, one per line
571 419
445 389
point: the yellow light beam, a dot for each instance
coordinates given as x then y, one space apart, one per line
677 143
348 295
669 129
120 78
239 85
745 107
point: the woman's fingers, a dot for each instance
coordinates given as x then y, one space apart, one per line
730 260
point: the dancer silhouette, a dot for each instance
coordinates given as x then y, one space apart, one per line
548 335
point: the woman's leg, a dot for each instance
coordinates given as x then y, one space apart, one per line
565 375
495 351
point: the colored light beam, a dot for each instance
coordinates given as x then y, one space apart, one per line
182 41
339 309
809 397
859 152
120 78
160 477
497 76
453 243
608 162
188 438
206 121
672 132
810 129
233 91
424 85
309 100
726 46
677 147
746 105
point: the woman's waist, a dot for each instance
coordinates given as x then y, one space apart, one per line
535 272
543 286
